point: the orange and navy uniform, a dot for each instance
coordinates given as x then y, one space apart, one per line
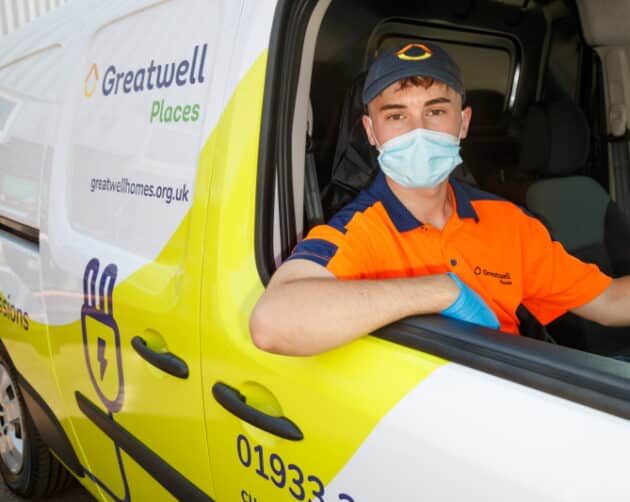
494 246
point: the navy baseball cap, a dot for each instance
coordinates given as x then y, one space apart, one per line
411 59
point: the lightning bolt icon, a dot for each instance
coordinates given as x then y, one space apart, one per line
101 355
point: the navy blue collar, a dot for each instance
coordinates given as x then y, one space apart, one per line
464 195
402 217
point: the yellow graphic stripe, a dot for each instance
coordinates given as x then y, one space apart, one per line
336 398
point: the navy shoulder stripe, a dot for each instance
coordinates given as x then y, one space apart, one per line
317 250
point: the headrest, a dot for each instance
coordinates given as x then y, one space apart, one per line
489 116
555 140
355 163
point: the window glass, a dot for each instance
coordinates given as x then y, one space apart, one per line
486 71
562 78
483 68
6 108
29 94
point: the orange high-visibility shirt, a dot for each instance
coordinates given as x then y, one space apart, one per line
494 246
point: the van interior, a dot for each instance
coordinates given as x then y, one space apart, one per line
548 83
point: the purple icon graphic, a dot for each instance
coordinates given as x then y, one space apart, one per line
98 312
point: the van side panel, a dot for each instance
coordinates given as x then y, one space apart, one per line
31 93
126 206
23 333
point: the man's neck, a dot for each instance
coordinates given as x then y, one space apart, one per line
431 206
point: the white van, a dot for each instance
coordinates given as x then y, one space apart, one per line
160 158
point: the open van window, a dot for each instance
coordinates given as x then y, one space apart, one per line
513 40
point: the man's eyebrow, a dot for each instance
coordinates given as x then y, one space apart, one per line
391 107
436 101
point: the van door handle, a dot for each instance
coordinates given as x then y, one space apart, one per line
166 361
233 401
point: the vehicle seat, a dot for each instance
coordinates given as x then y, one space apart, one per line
492 146
355 162
578 212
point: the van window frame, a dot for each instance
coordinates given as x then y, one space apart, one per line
274 158
598 382
442 32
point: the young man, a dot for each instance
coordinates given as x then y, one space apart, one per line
416 243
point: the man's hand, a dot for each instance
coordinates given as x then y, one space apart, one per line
470 307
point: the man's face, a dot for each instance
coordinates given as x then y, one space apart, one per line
397 111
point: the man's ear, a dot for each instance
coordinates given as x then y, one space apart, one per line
369 130
466 116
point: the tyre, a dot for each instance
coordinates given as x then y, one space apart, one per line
26 464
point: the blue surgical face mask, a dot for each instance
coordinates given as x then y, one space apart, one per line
420 158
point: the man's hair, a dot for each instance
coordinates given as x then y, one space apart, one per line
417 81
425 82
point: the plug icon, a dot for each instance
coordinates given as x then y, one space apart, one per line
101 337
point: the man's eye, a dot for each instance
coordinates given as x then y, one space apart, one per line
434 112
396 116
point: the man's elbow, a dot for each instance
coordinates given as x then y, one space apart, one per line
264 331
270 334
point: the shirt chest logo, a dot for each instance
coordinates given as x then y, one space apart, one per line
504 278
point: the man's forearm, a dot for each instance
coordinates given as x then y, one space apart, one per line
612 307
618 309
338 312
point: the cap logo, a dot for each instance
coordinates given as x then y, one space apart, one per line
407 53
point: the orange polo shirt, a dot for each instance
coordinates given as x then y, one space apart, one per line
494 246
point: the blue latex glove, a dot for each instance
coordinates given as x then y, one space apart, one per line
470 307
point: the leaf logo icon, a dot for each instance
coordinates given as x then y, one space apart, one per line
91 81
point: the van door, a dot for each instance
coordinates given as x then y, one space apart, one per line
279 428
380 418
124 230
